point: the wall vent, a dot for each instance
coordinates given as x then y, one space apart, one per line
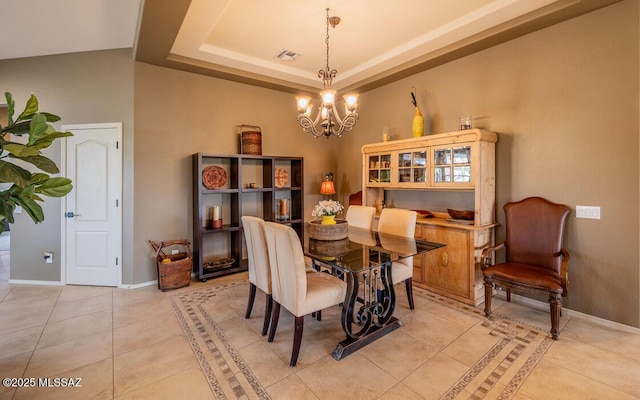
287 55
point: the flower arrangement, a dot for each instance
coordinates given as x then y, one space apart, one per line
327 207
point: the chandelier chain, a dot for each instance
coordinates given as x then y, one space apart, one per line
326 40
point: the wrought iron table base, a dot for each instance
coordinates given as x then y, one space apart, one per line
367 318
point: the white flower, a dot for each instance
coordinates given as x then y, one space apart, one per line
327 207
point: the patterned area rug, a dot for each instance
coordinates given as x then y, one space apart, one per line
516 351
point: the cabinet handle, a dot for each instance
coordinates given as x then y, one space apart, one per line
444 259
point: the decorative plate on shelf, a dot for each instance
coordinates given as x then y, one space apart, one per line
214 177
282 177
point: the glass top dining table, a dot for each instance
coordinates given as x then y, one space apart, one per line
364 259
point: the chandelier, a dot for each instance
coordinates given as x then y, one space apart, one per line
328 121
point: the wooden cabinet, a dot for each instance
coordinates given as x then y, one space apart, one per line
450 166
453 270
264 186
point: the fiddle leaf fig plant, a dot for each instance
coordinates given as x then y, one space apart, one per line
26 188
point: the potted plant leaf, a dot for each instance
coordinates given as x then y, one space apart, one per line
23 187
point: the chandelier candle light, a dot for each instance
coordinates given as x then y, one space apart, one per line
328 122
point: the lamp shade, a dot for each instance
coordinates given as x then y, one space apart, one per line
327 188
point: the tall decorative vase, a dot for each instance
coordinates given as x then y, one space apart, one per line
418 124
328 220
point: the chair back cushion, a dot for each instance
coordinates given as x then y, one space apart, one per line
535 228
397 221
288 271
361 216
254 236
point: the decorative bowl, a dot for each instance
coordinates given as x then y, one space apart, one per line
467 215
424 214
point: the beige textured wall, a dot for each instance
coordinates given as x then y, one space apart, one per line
178 114
80 88
564 102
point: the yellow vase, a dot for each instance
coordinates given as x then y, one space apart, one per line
328 220
418 124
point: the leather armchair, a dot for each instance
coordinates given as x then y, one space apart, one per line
535 261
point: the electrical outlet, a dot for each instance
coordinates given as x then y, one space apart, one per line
590 212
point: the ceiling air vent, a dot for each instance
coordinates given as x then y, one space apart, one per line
287 55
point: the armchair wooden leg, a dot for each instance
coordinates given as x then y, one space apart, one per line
274 321
508 295
297 340
555 302
488 292
252 297
267 313
319 315
409 284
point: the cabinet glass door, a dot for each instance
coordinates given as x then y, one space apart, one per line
442 165
412 167
379 169
462 164
452 164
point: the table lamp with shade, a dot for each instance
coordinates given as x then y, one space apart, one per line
327 188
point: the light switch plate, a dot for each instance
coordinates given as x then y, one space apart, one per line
590 212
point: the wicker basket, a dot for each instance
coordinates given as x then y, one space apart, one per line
174 271
328 232
250 140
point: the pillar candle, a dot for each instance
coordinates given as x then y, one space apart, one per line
216 213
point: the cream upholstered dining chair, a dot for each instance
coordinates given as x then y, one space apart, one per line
259 270
294 288
397 221
360 216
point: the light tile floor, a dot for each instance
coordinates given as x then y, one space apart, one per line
127 344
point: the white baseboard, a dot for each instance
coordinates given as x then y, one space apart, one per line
145 284
545 306
60 283
28 282
138 285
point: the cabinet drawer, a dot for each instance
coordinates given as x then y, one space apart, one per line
448 268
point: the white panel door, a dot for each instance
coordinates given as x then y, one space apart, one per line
93 216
